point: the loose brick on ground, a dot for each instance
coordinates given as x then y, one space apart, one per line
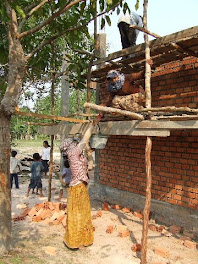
110 229
124 233
152 227
190 244
106 206
126 210
136 247
162 252
99 214
175 229
137 214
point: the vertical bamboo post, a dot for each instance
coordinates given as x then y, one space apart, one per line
91 59
148 142
52 112
88 84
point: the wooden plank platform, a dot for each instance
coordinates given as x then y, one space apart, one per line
158 128
162 51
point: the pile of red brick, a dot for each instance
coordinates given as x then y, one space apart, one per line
47 212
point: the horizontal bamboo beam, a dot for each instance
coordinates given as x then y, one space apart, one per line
168 109
177 118
114 110
51 117
38 124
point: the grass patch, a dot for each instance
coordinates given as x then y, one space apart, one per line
23 143
27 259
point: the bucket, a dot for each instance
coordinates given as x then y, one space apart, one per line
98 141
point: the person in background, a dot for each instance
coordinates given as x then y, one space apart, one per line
128 34
79 228
45 157
15 168
65 177
36 174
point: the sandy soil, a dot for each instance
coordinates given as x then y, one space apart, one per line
32 240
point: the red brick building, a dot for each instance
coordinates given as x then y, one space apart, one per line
121 165
120 175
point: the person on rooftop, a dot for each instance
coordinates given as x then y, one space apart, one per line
128 34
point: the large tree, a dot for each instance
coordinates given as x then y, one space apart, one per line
27 29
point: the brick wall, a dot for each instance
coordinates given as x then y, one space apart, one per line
174 159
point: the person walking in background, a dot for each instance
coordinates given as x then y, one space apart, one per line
127 33
15 168
45 156
36 174
79 228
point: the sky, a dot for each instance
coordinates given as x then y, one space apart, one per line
164 17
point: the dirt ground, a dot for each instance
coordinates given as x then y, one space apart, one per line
39 243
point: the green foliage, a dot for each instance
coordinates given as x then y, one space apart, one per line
74 24
137 4
77 99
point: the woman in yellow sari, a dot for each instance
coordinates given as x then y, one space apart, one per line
79 228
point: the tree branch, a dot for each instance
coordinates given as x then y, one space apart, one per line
50 19
34 9
48 41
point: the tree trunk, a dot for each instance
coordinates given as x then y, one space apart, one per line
5 193
17 66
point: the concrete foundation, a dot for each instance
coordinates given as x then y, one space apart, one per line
162 212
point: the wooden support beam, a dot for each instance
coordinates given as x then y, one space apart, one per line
148 148
156 43
105 129
51 117
122 127
168 109
114 110
176 117
176 46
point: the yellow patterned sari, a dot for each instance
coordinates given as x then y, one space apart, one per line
79 228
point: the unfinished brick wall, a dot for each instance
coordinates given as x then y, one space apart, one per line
174 159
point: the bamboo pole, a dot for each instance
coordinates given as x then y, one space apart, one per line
114 110
88 85
38 124
148 143
177 118
168 109
52 117
52 112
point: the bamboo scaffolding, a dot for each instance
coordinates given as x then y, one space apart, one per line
52 117
82 114
176 46
38 124
114 110
168 109
53 121
148 143
176 117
